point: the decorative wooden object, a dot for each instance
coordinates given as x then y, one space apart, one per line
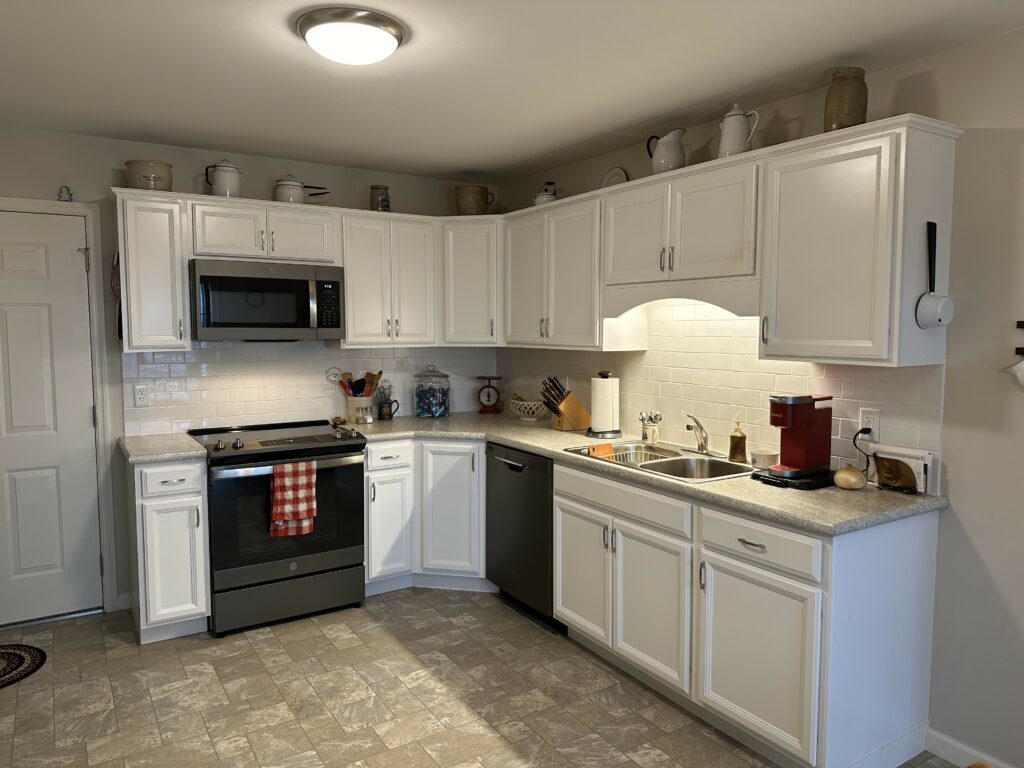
574 415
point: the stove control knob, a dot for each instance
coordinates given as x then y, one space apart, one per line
238 444
219 446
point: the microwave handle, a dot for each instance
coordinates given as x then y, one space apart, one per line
312 304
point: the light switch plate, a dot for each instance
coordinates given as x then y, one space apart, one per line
141 395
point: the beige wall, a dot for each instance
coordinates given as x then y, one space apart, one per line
978 656
35 163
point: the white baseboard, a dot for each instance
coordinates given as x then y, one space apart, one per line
957 752
431 581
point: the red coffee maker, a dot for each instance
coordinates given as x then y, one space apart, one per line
805 422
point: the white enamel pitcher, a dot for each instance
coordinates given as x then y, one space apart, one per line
735 134
668 152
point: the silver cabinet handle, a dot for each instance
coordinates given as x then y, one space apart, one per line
547 327
764 329
514 464
197 516
263 240
671 258
472 462
752 544
604 536
273 240
373 491
614 531
181 328
178 481
702 577
661 261
492 327
392 457
389 327
396 327
542 327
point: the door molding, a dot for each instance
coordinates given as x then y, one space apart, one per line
104 382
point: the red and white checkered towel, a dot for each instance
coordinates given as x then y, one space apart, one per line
294 504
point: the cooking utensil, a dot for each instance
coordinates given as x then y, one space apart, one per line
358 387
933 310
227 179
292 190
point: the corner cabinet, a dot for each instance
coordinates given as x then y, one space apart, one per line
451 519
843 246
470 283
389 282
553 281
153 274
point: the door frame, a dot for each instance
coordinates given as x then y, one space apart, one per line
104 383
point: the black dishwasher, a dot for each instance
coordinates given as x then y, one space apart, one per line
520 533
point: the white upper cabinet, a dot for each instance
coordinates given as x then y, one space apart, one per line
229 230
553 282
712 223
367 280
450 512
413 294
843 244
828 248
573 277
636 235
524 279
304 235
152 274
389 282
471 283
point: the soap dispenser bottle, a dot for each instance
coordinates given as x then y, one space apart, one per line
738 445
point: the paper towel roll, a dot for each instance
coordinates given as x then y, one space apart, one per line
604 405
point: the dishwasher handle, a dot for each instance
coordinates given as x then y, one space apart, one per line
515 466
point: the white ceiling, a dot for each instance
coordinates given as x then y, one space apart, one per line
484 88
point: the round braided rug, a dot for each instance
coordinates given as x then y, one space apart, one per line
18 662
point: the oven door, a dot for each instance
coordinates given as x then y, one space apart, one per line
250 301
242 551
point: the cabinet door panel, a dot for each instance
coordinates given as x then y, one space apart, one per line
574 278
230 230
636 235
305 236
367 281
450 510
412 293
713 223
652 625
524 279
760 649
155 272
583 570
389 510
470 283
175 553
828 250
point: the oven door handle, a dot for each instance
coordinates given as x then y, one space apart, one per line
268 469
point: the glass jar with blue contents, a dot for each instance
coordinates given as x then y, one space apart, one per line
433 389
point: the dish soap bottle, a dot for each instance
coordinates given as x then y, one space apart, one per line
738 445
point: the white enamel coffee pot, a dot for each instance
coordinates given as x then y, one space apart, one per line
736 131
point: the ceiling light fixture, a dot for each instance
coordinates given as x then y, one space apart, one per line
351 35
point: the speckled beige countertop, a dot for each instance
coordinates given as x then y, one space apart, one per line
151 449
828 511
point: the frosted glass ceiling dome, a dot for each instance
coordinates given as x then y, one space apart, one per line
351 35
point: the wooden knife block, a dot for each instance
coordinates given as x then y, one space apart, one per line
574 415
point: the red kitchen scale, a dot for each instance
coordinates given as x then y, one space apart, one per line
488 395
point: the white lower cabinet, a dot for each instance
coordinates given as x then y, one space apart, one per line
450 513
626 586
390 504
760 648
175 558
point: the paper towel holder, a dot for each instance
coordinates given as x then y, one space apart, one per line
609 433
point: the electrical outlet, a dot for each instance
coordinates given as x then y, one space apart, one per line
870 419
141 394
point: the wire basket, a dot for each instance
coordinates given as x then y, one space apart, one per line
527 410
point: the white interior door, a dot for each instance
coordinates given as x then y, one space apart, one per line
49 513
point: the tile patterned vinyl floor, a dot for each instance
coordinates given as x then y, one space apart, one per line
414 679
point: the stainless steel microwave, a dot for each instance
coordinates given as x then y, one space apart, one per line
265 301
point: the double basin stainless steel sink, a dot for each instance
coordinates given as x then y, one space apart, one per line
669 460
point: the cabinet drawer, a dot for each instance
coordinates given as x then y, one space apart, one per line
169 479
389 455
664 511
782 549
